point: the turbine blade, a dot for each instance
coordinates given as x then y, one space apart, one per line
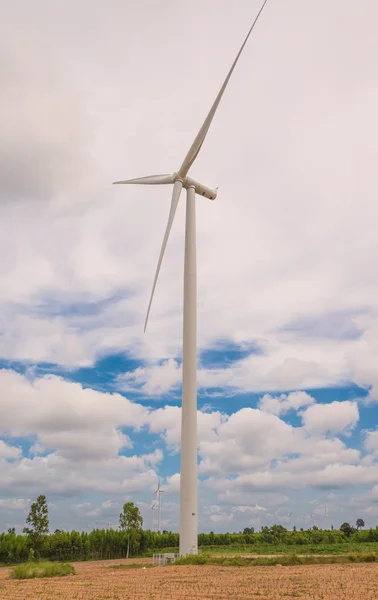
196 146
174 202
149 180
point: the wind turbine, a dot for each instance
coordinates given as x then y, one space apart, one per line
180 180
158 493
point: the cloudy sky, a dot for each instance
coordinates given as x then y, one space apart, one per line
288 291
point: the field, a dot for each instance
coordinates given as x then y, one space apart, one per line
103 581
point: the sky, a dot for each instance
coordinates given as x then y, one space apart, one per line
97 91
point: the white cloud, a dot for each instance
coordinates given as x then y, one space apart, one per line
374 494
221 518
36 449
81 430
371 441
13 504
109 504
340 476
88 510
44 132
242 443
336 417
172 484
249 509
285 402
8 451
167 421
67 417
332 476
245 470
154 380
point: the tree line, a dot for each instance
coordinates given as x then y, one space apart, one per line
131 539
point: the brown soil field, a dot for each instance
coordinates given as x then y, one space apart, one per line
100 581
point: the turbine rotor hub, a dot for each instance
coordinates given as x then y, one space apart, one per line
201 190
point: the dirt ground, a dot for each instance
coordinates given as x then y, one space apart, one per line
99 581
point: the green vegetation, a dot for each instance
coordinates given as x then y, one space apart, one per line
130 521
33 570
345 548
38 521
109 543
131 540
132 566
284 561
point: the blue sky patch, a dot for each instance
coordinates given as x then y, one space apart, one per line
224 353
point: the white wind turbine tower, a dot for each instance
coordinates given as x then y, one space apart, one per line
158 493
180 179
153 520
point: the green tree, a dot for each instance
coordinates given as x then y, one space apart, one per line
248 530
347 529
31 556
360 523
12 530
130 521
38 521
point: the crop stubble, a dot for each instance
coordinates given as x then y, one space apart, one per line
99 581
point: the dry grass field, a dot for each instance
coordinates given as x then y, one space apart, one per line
101 581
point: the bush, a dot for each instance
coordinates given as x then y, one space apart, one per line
367 557
33 570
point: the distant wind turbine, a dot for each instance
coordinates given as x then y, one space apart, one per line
180 180
158 493
153 510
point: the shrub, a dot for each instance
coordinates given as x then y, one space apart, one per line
367 557
32 570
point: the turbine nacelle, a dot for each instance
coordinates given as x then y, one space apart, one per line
187 182
200 189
